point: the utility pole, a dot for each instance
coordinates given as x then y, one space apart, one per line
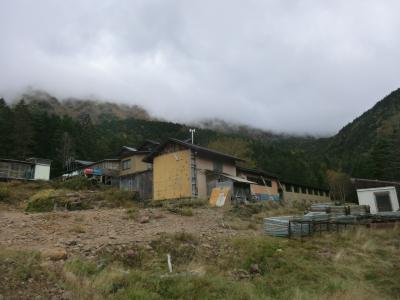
192 131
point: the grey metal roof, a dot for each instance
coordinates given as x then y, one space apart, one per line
197 148
83 162
16 161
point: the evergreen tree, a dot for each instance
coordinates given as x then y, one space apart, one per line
5 129
23 132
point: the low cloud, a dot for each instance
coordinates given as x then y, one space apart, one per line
298 66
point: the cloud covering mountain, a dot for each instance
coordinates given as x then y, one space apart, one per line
298 66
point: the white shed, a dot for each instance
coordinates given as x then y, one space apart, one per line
380 199
41 169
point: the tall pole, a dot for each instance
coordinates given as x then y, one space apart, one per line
192 131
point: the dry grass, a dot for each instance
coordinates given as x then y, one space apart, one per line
355 264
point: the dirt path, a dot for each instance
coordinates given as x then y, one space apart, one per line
83 231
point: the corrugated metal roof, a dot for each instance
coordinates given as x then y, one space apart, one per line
237 179
197 148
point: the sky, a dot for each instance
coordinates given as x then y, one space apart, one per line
287 66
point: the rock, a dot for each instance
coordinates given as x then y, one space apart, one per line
71 242
207 246
254 269
55 254
144 219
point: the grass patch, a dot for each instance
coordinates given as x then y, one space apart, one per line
77 229
181 203
182 211
49 199
77 183
354 264
114 197
132 213
23 276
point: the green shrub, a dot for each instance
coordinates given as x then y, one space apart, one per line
81 267
46 200
183 211
42 201
77 183
4 193
114 197
181 246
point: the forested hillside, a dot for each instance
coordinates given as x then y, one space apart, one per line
41 125
370 145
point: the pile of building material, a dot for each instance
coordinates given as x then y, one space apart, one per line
325 217
359 210
279 227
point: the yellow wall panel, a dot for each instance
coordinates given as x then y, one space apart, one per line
171 176
137 164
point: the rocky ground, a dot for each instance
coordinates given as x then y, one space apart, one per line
61 234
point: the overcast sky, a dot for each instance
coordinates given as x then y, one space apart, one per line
288 66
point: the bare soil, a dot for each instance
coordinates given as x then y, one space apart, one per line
84 231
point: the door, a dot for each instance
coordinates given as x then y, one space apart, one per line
383 202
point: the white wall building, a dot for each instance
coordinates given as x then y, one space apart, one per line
41 168
380 199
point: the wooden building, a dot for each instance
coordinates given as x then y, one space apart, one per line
135 174
265 186
30 169
296 192
184 170
105 171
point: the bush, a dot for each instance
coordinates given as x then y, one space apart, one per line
77 183
182 246
115 197
187 212
4 193
46 200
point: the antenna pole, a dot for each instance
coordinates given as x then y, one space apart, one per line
192 131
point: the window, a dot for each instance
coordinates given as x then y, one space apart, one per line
315 192
383 202
288 187
310 191
257 180
304 190
268 182
296 189
217 166
321 192
126 164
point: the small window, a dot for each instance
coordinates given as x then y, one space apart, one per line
310 191
383 202
257 180
126 164
288 187
268 182
304 190
296 189
217 166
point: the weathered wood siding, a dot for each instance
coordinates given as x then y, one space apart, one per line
142 183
